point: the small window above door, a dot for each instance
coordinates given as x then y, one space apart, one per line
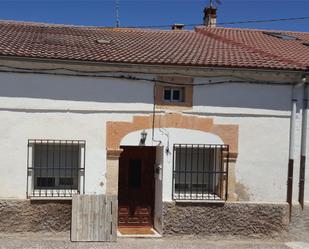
174 94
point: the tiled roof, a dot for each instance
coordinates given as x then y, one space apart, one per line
292 52
213 47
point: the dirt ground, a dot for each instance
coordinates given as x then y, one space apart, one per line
53 241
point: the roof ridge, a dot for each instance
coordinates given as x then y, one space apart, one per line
260 51
43 24
252 30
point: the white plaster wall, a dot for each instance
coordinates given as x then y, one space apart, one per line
261 167
263 115
34 106
65 107
242 99
68 93
16 128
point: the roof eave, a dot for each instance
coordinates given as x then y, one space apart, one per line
20 63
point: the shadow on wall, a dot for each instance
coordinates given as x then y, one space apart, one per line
244 95
104 90
72 88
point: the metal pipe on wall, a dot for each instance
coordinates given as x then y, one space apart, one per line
304 138
291 149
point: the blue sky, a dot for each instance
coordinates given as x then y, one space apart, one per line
156 12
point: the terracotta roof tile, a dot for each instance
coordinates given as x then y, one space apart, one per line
213 47
293 53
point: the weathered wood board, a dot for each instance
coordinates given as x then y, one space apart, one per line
94 218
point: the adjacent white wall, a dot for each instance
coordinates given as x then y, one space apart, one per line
16 128
65 107
261 167
68 93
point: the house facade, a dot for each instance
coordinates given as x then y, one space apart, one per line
195 132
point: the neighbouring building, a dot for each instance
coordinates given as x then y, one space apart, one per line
200 131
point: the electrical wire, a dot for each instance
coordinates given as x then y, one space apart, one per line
228 23
80 73
269 20
155 81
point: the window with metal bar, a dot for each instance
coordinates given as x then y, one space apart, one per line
55 167
200 172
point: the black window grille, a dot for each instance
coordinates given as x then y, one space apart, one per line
55 168
200 172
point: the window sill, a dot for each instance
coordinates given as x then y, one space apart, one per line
43 198
199 198
201 201
165 105
52 194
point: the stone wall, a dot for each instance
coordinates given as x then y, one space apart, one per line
34 216
255 220
299 226
241 219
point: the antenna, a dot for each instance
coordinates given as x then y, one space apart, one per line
117 13
217 2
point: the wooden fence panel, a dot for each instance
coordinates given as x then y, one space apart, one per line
94 218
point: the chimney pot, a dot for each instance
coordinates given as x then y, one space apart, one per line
178 26
210 16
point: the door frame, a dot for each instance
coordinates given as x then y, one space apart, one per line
158 197
156 188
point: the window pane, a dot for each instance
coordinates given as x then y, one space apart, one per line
45 182
56 166
167 94
66 181
176 95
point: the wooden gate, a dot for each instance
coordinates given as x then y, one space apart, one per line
94 218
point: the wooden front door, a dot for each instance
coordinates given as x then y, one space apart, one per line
136 186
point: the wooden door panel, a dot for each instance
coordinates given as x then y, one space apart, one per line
136 186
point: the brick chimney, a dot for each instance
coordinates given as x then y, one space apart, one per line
210 16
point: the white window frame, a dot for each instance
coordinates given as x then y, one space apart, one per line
172 89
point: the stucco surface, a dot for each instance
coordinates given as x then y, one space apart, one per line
255 220
37 106
262 159
35 216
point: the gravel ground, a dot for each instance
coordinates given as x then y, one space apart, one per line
52 241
